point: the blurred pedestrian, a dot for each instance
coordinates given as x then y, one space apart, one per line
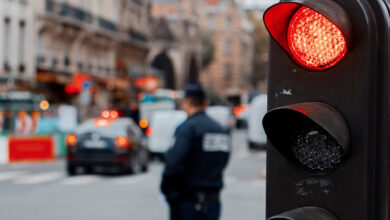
193 175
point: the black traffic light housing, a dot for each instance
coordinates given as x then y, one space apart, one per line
343 105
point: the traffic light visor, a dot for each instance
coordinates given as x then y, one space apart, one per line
315 35
313 135
305 213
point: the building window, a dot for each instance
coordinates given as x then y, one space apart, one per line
39 52
228 46
67 60
54 54
54 62
228 72
228 22
210 22
6 42
21 46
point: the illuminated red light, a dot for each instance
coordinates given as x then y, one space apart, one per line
149 132
71 139
105 114
71 89
114 114
314 41
101 122
143 123
237 111
122 142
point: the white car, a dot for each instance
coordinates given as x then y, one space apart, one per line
163 124
256 135
222 115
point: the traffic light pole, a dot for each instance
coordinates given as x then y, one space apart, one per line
381 194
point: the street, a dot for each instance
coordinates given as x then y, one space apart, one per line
43 191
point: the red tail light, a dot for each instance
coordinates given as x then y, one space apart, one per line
122 142
316 40
71 140
149 132
237 111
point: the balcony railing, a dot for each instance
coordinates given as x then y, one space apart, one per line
66 10
107 25
138 2
81 15
134 35
50 6
76 13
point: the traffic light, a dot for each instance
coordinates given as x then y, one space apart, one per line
328 123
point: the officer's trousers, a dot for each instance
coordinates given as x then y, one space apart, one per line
190 211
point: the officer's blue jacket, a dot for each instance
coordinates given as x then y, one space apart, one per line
197 158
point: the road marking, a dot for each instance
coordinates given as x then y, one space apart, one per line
80 180
39 178
10 175
131 179
18 165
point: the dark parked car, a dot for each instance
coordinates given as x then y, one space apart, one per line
107 143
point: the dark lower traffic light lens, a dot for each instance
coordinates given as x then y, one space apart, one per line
315 149
313 136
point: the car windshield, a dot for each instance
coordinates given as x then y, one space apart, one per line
115 129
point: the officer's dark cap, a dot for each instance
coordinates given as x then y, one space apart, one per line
195 90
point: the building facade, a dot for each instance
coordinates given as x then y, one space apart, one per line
16 56
231 31
175 46
105 40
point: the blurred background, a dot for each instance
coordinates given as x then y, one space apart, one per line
64 62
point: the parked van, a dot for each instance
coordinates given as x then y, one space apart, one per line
222 115
256 134
163 124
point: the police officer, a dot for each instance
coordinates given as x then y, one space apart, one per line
193 175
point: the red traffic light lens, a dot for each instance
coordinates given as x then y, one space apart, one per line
316 36
314 41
